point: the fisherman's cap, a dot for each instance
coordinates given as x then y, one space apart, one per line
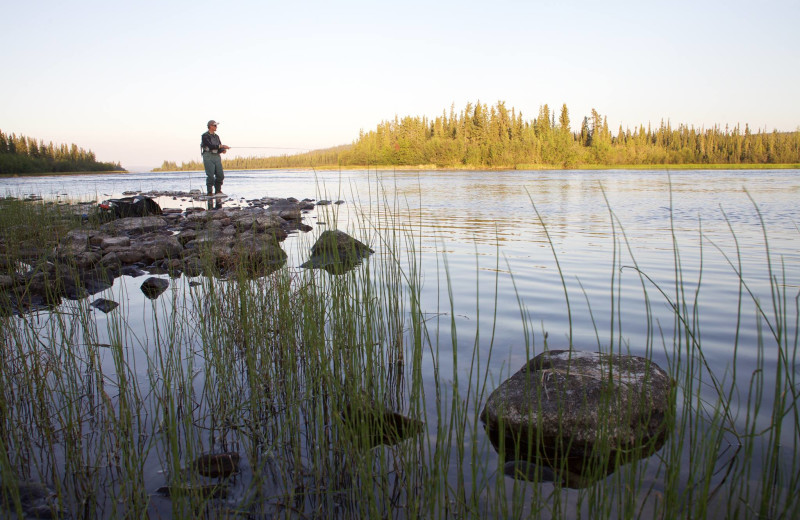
212 122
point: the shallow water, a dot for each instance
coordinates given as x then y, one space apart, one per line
484 232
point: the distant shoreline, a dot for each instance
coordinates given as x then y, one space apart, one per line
58 174
520 167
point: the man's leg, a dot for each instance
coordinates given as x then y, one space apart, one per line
220 175
210 167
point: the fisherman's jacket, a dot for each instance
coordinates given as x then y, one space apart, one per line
210 143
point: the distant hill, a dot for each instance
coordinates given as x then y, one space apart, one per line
24 155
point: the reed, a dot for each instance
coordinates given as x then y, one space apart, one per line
302 374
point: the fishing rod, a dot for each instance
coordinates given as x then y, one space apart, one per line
271 147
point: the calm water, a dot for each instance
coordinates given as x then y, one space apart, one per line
484 227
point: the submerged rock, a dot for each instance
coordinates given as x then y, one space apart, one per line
201 490
371 426
217 465
577 411
35 499
6 282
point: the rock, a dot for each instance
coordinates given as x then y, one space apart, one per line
104 305
289 209
192 266
36 499
226 239
98 279
110 259
96 239
172 265
134 225
217 465
204 217
288 213
299 226
43 286
205 491
258 221
336 252
186 236
130 255
340 244
6 282
158 247
115 242
75 241
369 426
260 255
582 407
153 287
86 259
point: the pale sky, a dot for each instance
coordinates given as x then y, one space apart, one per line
136 82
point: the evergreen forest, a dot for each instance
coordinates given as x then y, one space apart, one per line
24 155
481 136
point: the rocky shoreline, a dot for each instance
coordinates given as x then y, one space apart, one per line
219 241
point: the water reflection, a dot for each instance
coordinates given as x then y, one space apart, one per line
567 465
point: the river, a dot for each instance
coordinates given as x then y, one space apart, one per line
514 260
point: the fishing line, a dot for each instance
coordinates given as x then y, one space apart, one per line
273 147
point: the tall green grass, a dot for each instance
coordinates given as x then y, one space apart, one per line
296 371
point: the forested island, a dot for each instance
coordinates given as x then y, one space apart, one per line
481 136
24 155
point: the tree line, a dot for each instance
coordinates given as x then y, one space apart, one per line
25 155
480 136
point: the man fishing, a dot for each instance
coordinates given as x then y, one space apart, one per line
211 147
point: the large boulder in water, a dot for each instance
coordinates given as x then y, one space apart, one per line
573 409
336 252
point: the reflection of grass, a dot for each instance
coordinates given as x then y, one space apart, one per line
270 368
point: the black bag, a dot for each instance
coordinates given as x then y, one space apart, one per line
138 206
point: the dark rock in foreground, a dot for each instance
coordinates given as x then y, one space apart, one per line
153 287
576 412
